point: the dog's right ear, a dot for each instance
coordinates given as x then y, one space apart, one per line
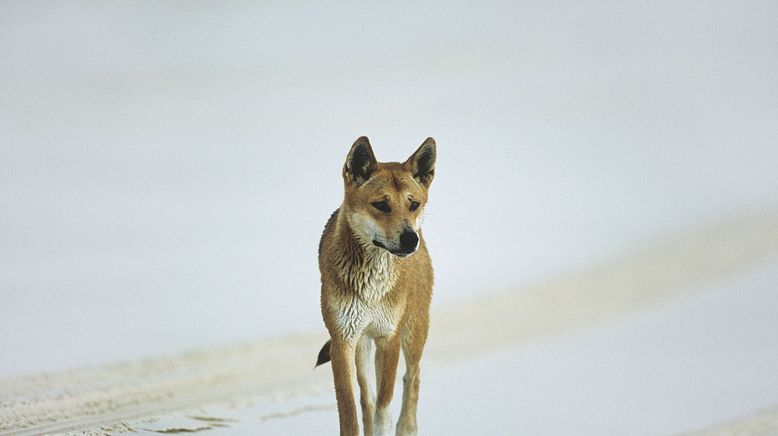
360 162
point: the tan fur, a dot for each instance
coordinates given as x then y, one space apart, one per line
370 296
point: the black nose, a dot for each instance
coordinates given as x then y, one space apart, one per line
408 241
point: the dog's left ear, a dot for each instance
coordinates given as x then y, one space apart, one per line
422 163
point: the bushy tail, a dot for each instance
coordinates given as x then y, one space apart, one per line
324 354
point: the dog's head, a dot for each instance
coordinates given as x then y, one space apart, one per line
384 201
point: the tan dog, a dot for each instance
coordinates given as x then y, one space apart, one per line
376 285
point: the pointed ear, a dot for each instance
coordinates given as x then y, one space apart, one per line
422 163
360 162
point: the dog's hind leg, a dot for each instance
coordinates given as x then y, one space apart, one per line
364 371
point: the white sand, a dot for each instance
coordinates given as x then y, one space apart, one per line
165 172
534 359
763 423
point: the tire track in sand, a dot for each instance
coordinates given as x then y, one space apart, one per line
279 369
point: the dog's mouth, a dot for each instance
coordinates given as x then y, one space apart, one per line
396 253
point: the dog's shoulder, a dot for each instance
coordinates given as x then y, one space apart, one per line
328 228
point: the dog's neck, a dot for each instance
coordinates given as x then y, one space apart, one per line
366 270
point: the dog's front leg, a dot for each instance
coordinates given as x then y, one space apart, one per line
342 356
364 373
386 358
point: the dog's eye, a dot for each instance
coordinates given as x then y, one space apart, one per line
414 205
382 206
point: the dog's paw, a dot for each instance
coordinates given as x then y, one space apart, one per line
405 431
382 424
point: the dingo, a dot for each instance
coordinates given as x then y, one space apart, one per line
376 285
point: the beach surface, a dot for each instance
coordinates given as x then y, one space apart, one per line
602 222
676 337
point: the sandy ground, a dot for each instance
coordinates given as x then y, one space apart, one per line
152 153
671 338
762 423
166 171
